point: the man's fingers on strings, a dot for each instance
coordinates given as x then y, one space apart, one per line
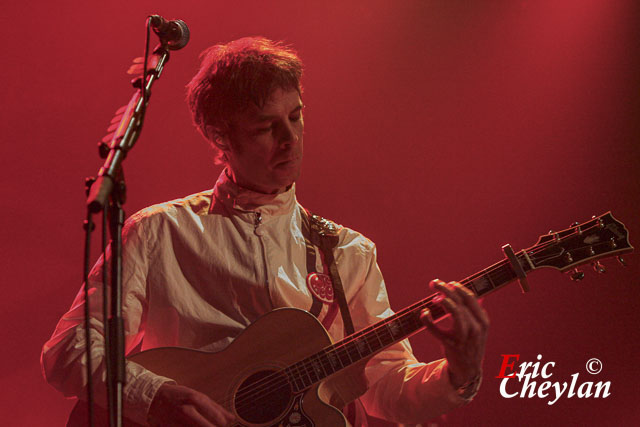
480 314
462 295
472 304
427 320
461 319
463 291
453 290
450 336
440 286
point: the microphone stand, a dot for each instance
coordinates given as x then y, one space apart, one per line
108 193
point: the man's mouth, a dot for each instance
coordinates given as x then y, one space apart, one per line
286 162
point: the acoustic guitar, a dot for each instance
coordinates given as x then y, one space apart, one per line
278 371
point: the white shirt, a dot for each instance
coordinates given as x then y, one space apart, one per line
198 270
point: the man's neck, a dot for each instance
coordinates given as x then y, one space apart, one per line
250 187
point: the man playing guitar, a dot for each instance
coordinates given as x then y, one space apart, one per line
199 270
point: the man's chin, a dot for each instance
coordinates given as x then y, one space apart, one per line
286 174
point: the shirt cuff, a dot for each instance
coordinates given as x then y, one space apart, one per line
468 390
139 391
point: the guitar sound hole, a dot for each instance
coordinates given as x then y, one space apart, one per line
263 397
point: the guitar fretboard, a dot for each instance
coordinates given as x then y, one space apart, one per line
393 329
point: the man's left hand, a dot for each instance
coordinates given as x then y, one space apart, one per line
464 343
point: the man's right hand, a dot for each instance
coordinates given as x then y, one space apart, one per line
179 405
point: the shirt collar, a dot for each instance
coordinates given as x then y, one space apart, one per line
233 196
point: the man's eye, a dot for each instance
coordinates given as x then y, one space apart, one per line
263 130
295 118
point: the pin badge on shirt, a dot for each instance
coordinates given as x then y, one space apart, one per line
321 287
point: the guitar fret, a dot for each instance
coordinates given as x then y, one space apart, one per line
494 276
372 342
334 361
293 380
407 324
361 346
329 362
345 359
380 343
315 368
305 371
387 335
352 351
311 371
504 275
304 376
482 285
297 377
414 321
394 328
320 366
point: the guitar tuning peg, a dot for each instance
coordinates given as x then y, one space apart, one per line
621 261
598 267
577 226
576 275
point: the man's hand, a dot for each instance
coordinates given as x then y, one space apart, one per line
464 343
179 405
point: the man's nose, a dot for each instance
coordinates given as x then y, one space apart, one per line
288 134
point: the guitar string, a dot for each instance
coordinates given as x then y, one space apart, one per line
280 378
303 366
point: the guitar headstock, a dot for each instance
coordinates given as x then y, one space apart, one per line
601 237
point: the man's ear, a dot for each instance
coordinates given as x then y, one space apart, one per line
218 138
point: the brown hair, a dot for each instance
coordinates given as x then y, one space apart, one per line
234 75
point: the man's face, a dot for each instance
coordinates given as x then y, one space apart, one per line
265 145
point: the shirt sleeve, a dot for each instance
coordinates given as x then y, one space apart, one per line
64 358
401 389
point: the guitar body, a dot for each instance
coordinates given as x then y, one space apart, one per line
275 341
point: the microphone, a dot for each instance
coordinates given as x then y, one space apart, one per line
174 33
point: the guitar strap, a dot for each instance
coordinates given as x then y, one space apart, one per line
323 234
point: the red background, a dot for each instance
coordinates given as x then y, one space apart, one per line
439 129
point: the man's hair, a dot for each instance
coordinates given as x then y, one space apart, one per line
235 75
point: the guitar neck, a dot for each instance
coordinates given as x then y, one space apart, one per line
395 328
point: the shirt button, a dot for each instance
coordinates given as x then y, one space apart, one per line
258 231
